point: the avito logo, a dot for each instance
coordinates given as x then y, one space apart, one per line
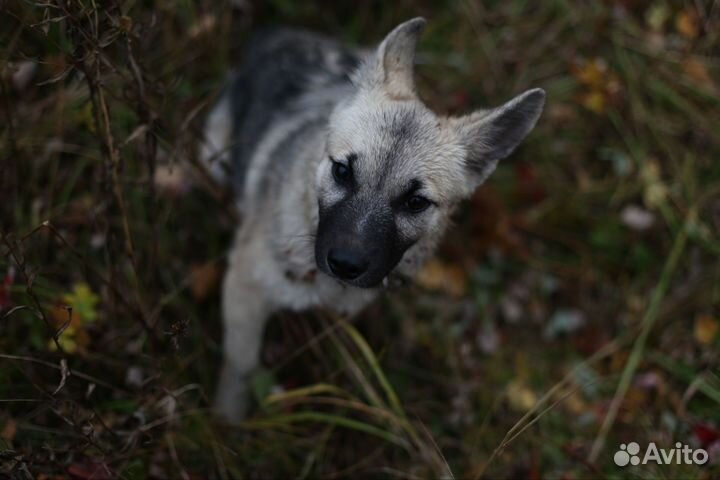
681 454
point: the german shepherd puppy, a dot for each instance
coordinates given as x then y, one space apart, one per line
344 179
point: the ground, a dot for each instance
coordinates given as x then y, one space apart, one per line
573 309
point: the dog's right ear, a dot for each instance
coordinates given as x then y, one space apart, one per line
391 66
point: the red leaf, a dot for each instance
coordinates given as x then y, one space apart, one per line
528 187
705 434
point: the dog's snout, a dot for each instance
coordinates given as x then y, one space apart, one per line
347 264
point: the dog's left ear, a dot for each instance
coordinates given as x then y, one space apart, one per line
391 66
491 135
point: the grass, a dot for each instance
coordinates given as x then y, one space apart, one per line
553 327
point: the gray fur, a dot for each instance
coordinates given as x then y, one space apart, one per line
299 114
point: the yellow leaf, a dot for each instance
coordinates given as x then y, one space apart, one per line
706 329
574 403
66 341
696 71
84 116
521 397
601 84
439 276
655 190
593 73
594 101
82 300
686 23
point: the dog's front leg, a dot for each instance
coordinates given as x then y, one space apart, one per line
245 311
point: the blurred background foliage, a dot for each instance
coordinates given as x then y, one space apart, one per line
574 307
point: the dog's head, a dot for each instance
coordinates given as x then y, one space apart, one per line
394 170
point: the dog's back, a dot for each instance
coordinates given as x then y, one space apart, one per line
279 68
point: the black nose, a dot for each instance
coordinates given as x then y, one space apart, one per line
346 264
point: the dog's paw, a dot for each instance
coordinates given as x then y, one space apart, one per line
231 410
232 398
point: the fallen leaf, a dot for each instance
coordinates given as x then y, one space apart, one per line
171 180
697 71
76 309
9 430
655 190
592 73
490 225
657 15
706 434
125 23
637 218
168 406
439 276
60 314
83 301
686 23
23 73
68 322
601 84
204 279
527 183
204 25
72 339
706 329
98 240
521 397
595 101
572 401
134 377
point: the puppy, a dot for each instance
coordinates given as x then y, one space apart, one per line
343 177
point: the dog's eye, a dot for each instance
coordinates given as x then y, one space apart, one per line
416 204
341 172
